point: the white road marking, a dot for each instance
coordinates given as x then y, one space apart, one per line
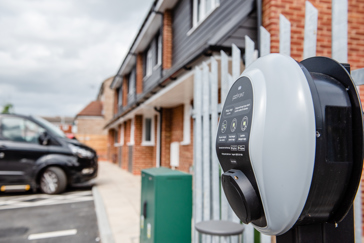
52 234
12 202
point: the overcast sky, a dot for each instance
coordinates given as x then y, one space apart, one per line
55 54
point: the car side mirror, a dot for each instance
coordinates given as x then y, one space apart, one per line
43 138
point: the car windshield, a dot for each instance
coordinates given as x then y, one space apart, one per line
50 127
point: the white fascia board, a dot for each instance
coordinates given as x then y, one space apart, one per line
165 4
149 30
145 37
129 63
147 34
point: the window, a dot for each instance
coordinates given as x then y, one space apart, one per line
202 9
116 138
149 63
20 130
131 85
186 124
158 42
120 97
122 135
131 141
148 131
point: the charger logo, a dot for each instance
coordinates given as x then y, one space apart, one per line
237 96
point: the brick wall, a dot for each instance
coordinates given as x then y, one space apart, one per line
90 125
143 155
167 39
139 74
186 153
172 131
166 137
155 139
108 101
112 150
125 148
115 101
125 91
97 142
294 11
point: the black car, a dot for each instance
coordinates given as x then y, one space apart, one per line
35 154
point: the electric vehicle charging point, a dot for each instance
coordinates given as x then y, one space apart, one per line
290 141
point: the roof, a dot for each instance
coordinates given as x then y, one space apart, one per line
149 27
94 108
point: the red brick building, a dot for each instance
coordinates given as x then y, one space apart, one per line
90 121
154 85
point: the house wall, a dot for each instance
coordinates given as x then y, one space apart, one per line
149 81
125 147
90 132
142 155
185 45
112 150
167 39
172 131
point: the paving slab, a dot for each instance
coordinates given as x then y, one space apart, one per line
119 192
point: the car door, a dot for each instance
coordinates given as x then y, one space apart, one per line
19 149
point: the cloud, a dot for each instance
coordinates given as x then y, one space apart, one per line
55 54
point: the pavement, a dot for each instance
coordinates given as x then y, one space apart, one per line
117 203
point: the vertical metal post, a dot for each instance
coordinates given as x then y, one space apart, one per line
206 146
309 45
264 41
197 100
236 62
249 51
225 86
340 30
284 36
214 161
224 76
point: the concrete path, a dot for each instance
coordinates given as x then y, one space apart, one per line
120 200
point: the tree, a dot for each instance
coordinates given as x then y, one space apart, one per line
7 108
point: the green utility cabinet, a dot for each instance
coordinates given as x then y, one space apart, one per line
166 206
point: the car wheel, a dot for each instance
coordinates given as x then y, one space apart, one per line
53 181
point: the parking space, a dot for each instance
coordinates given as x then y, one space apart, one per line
68 217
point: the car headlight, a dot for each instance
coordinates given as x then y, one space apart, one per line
80 152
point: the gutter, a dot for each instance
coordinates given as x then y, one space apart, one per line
151 10
259 23
163 81
159 140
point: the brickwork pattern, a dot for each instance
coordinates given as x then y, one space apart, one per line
125 148
90 125
294 11
167 39
139 74
125 91
97 142
107 100
166 137
172 131
112 151
115 101
186 154
142 155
